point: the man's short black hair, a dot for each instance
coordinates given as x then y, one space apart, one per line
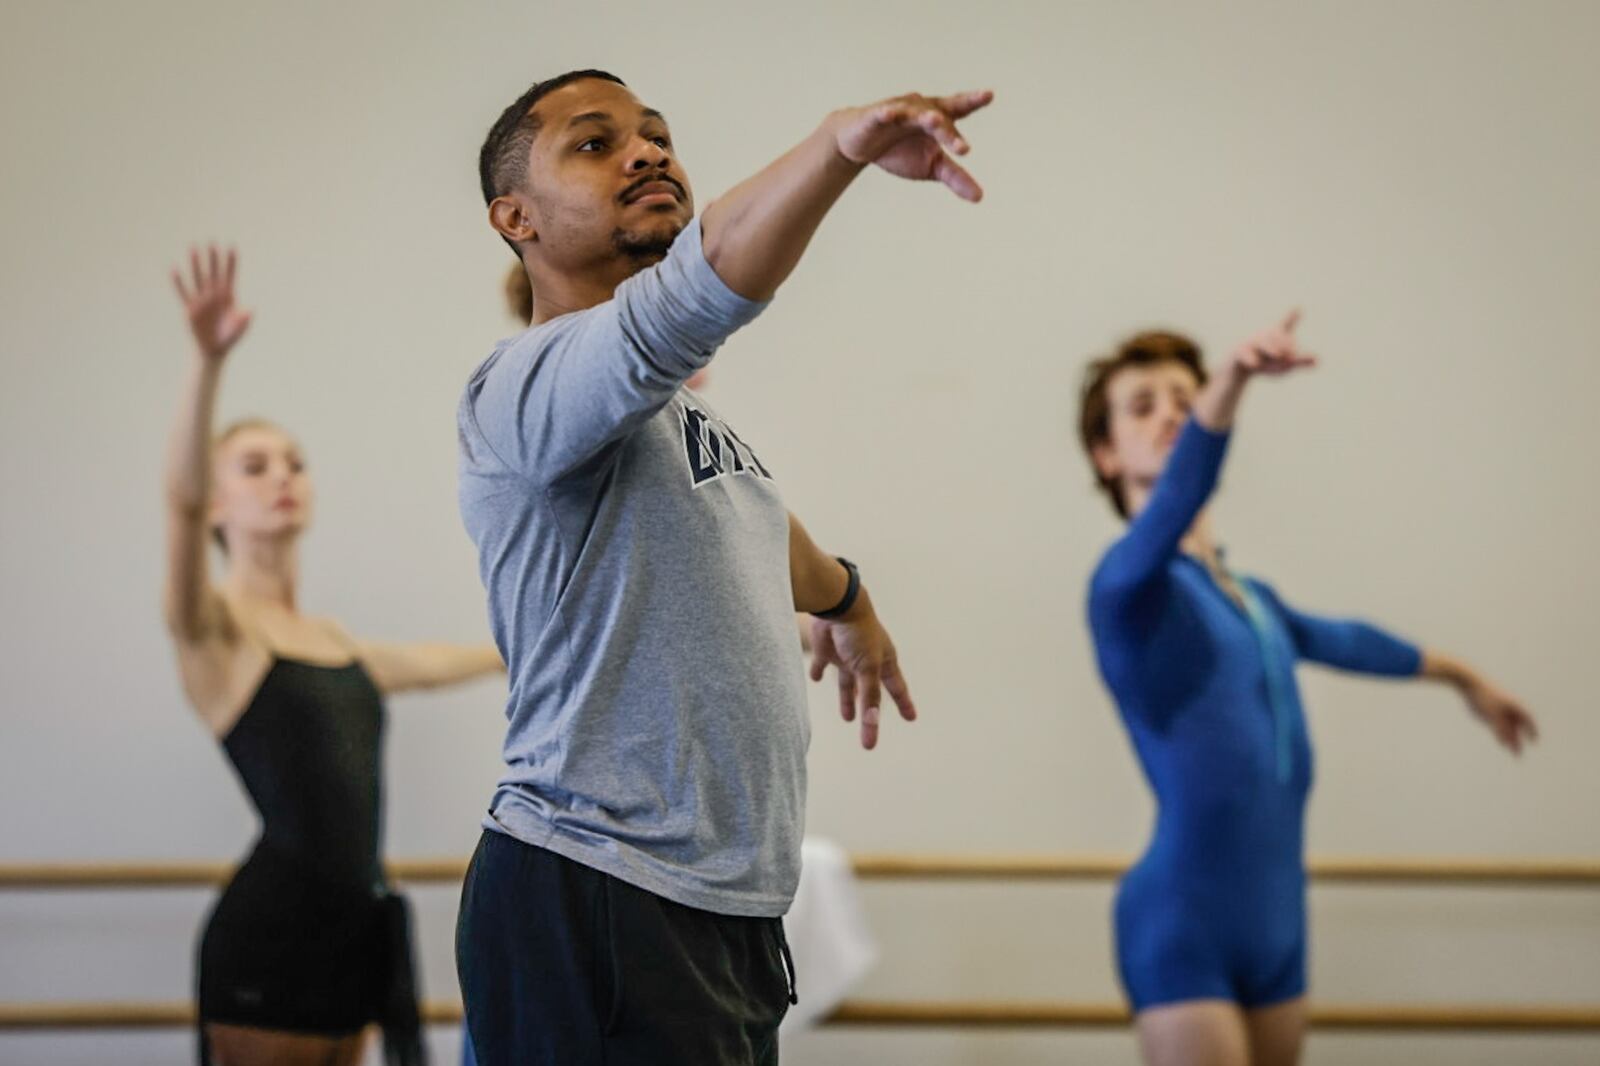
503 159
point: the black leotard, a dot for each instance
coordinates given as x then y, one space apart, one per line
307 936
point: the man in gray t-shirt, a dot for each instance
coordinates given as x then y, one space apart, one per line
643 576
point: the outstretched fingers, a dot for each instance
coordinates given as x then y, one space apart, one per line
956 178
960 105
869 697
894 683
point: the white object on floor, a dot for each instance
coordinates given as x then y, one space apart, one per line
827 932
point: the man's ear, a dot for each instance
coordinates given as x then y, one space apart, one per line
1105 461
512 220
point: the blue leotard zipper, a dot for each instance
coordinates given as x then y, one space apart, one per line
1272 663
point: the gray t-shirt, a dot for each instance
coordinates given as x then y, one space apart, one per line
636 555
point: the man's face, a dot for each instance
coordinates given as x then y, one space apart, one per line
1148 407
603 181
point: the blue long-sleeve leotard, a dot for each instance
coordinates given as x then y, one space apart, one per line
1215 908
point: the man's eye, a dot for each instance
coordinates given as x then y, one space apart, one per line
593 144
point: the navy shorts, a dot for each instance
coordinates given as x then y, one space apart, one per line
562 964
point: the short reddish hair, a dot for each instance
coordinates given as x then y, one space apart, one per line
1150 348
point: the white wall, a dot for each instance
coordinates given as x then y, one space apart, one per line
1419 176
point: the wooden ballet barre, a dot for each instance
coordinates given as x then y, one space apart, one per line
1060 1015
898 867
1096 868
874 866
959 1014
35 1016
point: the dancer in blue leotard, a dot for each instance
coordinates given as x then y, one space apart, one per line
1210 922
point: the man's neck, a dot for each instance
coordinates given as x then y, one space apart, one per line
557 293
1201 542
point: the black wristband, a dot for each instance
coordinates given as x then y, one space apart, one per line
851 591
